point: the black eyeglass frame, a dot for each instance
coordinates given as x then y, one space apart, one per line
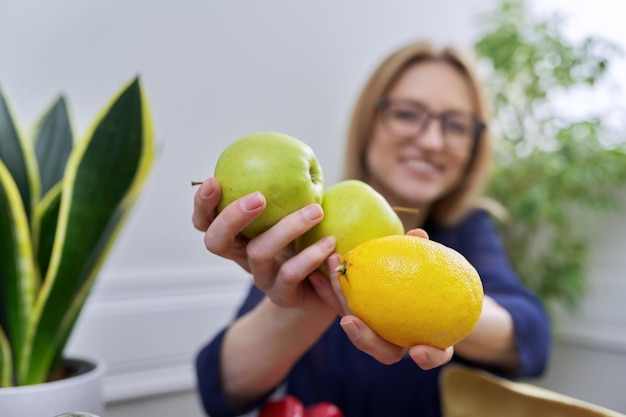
478 129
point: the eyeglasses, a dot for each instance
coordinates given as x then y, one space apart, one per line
408 119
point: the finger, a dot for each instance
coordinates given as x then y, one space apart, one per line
428 357
287 287
418 232
332 263
225 228
204 203
369 342
263 249
324 288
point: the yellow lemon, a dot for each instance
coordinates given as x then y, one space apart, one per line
412 291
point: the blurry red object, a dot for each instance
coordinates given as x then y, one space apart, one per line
323 409
289 406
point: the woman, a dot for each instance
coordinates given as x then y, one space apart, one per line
418 136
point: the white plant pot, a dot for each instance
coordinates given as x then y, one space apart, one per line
79 393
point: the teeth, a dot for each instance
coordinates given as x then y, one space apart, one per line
420 164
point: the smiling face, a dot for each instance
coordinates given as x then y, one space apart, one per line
416 171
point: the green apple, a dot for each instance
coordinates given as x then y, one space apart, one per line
284 169
353 213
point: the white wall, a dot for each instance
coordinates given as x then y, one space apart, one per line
589 356
213 71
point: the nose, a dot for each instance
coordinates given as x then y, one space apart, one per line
431 135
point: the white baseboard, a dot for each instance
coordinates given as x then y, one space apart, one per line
594 336
148 382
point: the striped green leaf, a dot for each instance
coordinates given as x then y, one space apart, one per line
6 361
17 156
44 225
53 144
104 175
17 268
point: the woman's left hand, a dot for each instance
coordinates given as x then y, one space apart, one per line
364 338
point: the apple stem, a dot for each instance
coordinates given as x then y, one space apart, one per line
409 210
341 269
194 183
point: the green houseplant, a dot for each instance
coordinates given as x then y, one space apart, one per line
555 170
62 203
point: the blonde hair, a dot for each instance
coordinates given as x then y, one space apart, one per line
453 206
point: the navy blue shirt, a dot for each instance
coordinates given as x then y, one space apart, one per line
334 370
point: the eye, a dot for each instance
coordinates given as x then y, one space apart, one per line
458 125
406 115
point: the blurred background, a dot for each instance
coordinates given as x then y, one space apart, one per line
216 70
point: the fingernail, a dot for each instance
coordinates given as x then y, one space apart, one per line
252 202
207 188
351 329
421 358
328 242
313 212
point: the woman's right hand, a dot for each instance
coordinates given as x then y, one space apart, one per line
276 269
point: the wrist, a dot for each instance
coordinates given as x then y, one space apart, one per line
291 321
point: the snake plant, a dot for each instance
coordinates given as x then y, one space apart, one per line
62 204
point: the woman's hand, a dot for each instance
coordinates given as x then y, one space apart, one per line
276 269
282 275
364 338
205 219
